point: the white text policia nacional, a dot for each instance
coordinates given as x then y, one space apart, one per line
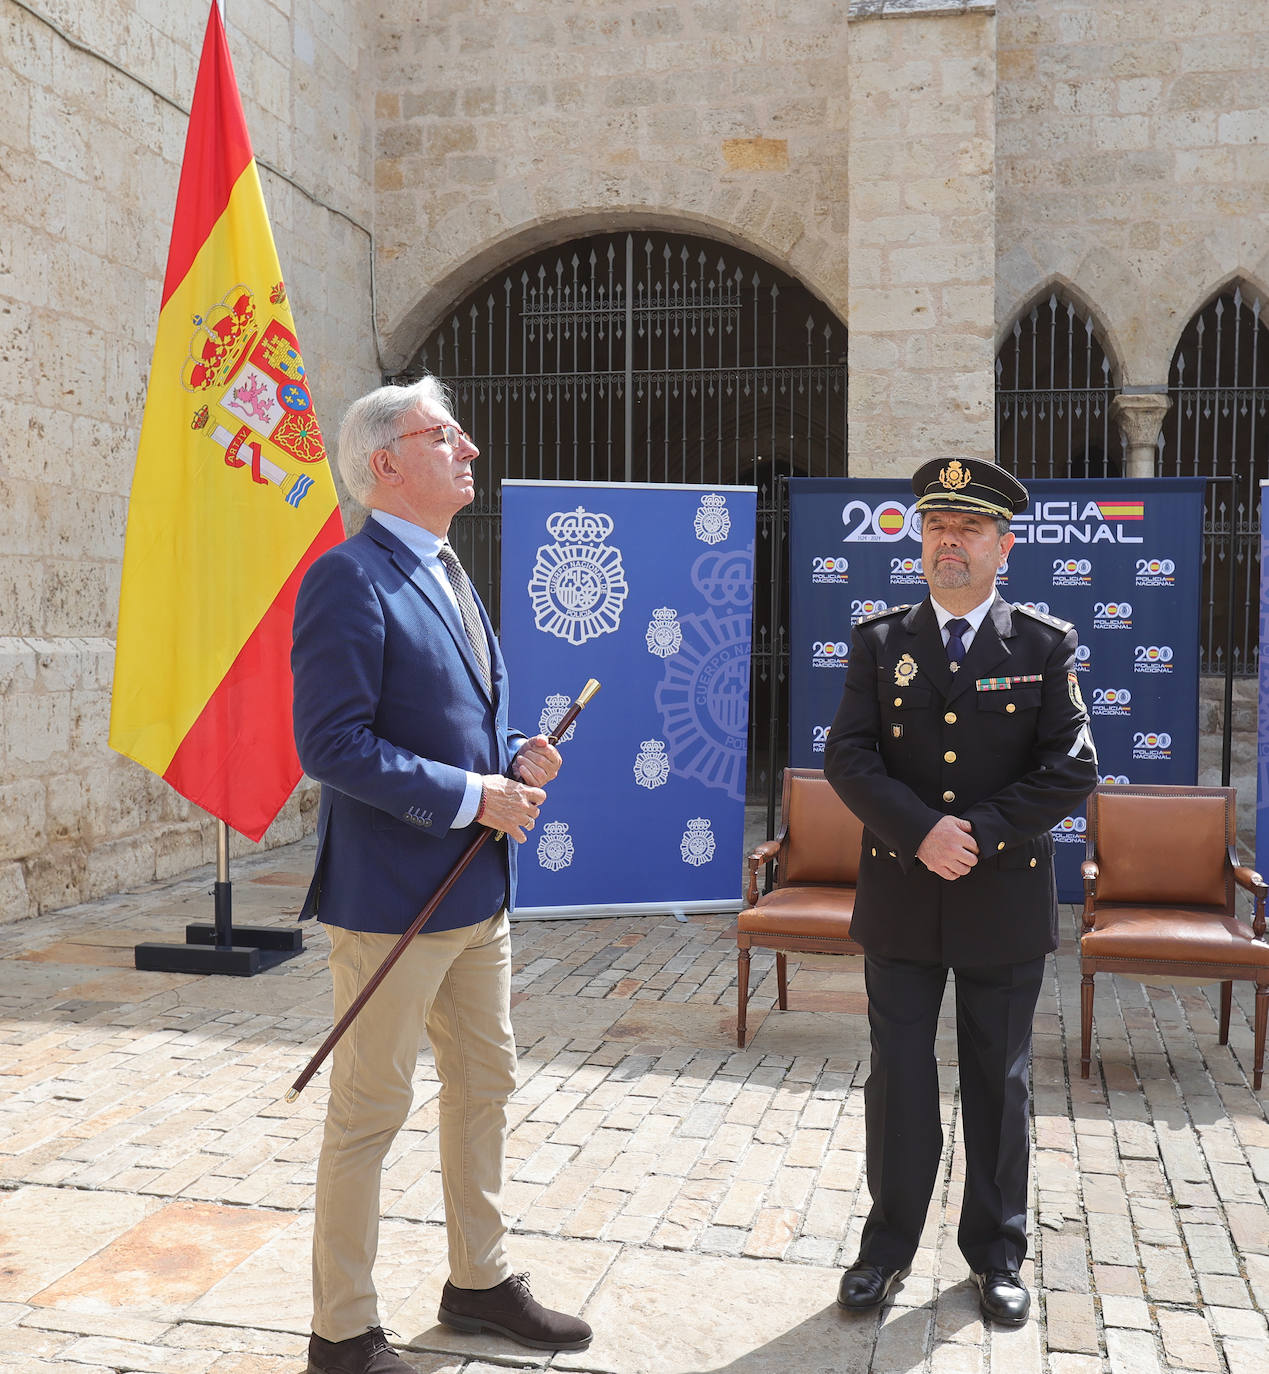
1067 522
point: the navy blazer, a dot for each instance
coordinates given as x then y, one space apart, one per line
390 715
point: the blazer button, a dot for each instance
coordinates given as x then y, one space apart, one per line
950 756
949 796
898 701
950 717
1011 708
1001 845
1031 864
874 853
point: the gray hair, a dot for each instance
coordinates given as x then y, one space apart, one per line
374 422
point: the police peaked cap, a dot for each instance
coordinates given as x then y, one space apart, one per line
968 484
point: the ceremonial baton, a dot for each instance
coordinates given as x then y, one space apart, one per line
397 950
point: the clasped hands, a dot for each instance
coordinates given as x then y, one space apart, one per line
949 849
511 805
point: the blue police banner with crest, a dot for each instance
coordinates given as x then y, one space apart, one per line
1120 559
649 589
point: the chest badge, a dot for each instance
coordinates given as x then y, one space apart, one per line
905 670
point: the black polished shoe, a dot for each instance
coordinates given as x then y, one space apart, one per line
511 1310
1003 1297
866 1285
368 1353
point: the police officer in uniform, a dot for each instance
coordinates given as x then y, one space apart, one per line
961 739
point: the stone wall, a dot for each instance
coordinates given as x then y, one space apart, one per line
921 83
96 98
1132 149
545 120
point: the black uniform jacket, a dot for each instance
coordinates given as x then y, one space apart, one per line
1003 742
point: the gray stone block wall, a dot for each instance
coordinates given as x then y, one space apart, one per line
95 100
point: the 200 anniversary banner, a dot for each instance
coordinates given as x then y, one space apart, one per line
1120 559
649 589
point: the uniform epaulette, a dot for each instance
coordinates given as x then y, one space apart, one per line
878 615
1043 616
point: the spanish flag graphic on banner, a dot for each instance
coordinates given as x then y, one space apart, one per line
232 497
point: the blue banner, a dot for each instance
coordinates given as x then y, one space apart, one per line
1262 714
649 589
1118 558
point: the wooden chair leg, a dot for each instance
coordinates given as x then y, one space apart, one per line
1227 1002
1086 1024
782 978
742 994
1262 1023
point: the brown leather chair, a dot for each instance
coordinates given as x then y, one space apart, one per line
809 906
1159 882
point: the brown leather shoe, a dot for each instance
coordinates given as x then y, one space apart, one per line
511 1310
368 1353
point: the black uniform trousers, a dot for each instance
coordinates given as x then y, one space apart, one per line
995 1005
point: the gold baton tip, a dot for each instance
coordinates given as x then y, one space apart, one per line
293 1094
587 692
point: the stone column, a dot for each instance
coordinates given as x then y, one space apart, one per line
921 82
1139 416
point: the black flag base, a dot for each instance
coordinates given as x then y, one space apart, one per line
220 948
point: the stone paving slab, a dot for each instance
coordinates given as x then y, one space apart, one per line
694 1200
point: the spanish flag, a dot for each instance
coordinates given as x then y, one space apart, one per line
1122 510
232 497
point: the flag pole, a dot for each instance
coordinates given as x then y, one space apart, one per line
219 948
232 500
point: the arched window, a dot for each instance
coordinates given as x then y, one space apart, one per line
1218 427
1054 386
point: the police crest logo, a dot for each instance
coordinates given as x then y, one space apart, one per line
555 848
665 635
712 523
552 713
703 697
697 844
651 767
578 585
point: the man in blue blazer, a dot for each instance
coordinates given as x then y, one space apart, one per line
401 713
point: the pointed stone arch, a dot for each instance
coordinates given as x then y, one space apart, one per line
1055 379
1218 427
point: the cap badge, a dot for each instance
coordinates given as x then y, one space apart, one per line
954 477
905 670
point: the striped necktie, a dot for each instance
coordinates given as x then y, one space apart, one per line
466 599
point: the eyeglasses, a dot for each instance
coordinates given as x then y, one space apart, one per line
450 434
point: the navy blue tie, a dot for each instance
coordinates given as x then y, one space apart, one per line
955 644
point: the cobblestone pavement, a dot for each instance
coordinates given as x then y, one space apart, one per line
694 1201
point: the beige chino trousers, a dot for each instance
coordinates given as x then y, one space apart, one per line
455 987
